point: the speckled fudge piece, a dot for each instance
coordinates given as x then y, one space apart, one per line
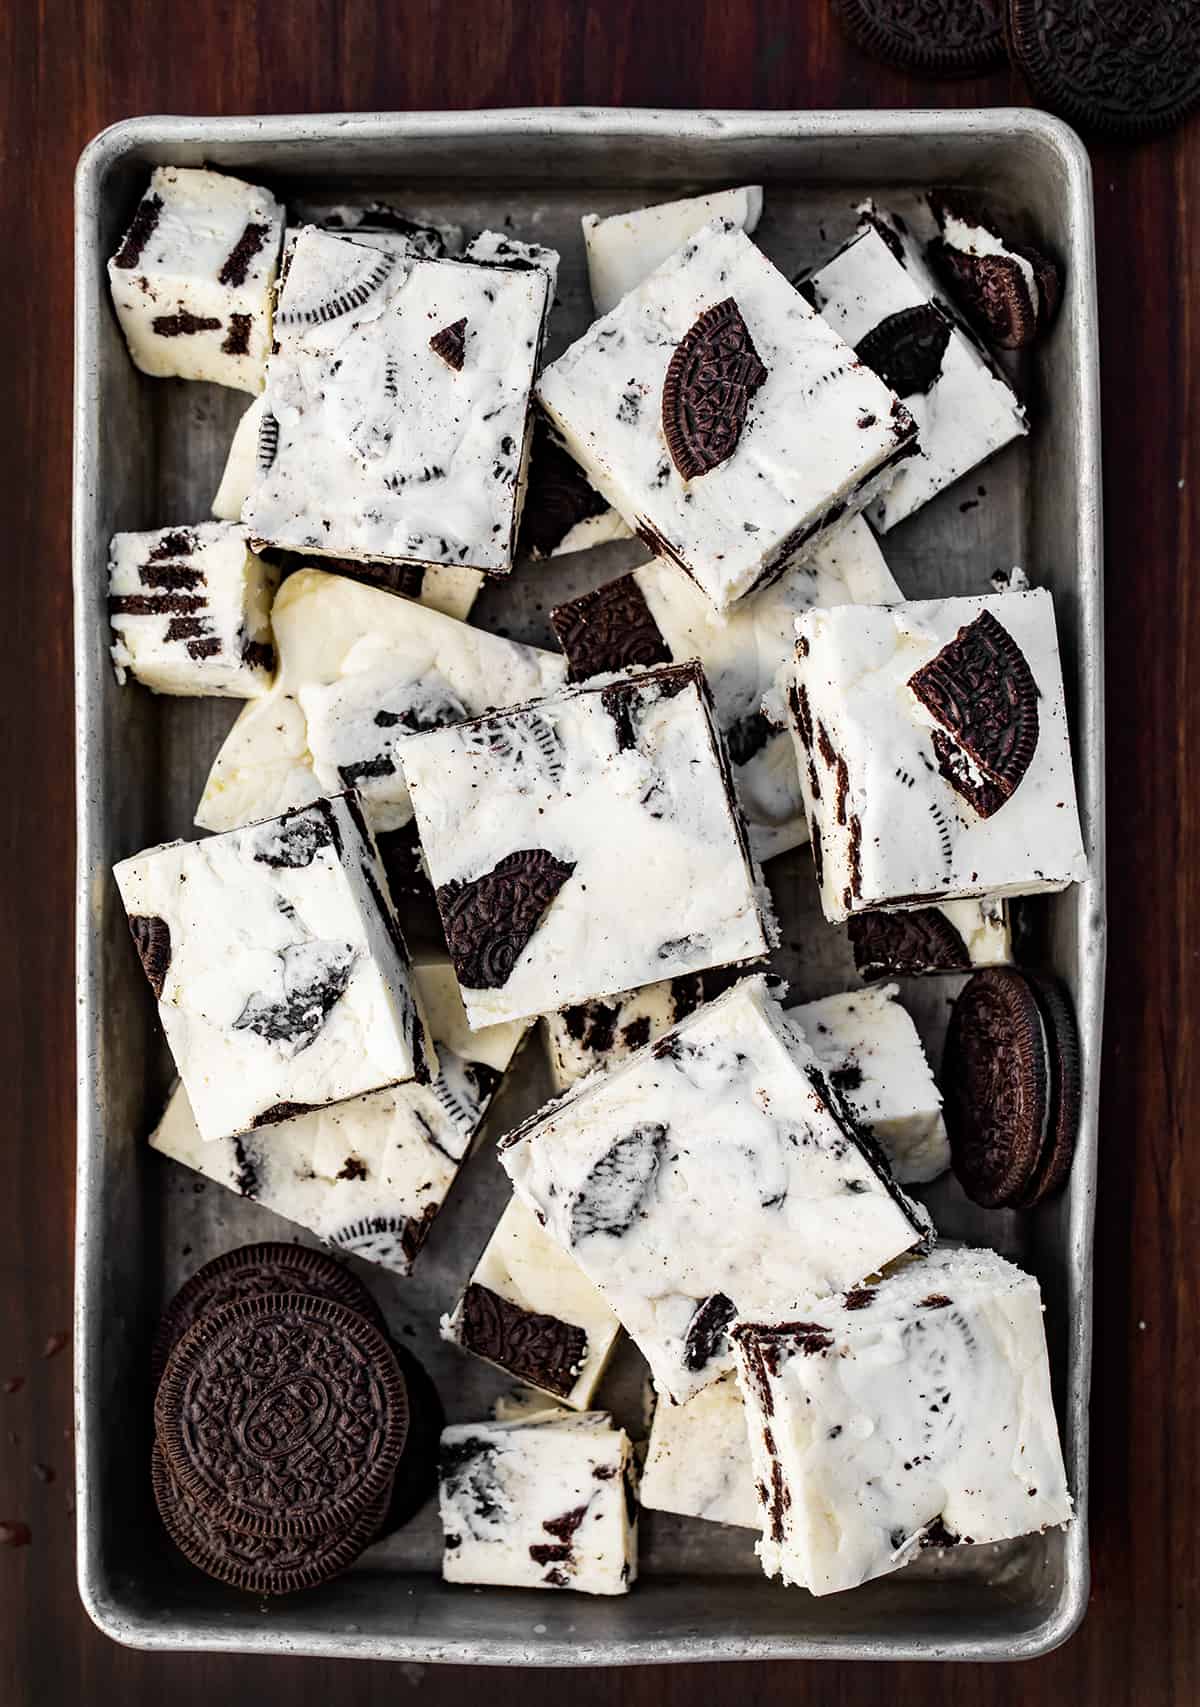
698 1459
190 609
728 423
368 1175
912 1413
584 843
530 1310
546 1503
624 248
359 672
712 1172
397 406
933 749
656 615
282 980
192 279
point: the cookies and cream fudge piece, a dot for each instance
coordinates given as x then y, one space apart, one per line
698 1458
548 1502
359 672
728 423
880 295
562 511
365 221
623 248
1009 291
655 615
586 1036
368 1175
192 279
933 749
912 1413
190 609
501 249
714 1174
536 821
530 1310
953 937
282 980
397 406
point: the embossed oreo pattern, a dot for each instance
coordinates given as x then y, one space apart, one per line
907 348
489 921
710 380
903 944
610 628
535 1347
938 37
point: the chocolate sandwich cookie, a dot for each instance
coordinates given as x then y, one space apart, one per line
1011 1082
1130 70
954 38
1008 291
416 1473
283 1415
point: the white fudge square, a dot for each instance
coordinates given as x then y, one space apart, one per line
916 1412
708 1174
531 1310
549 1502
624 248
728 423
698 1459
359 671
397 406
655 614
282 980
190 609
880 295
368 1175
954 936
894 793
534 821
192 279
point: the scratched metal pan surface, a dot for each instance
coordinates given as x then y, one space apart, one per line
149 452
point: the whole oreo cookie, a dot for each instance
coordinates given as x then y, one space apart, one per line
942 38
1131 67
283 1415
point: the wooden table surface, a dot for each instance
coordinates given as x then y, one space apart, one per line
71 67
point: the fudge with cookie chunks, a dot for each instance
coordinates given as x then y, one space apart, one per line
934 756
623 248
656 615
954 936
376 219
714 1174
190 609
192 279
550 1502
586 842
369 1175
1009 291
913 1412
282 980
360 671
728 423
396 420
562 512
530 1310
879 293
698 1459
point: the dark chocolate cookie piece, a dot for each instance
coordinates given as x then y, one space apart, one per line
711 377
416 1474
941 38
558 496
707 1332
152 939
489 921
610 628
539 1348
1058 1018
994 291
1130 67
906 944
617 1185
451 344
907 348
283 1415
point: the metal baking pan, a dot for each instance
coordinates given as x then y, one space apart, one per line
148 452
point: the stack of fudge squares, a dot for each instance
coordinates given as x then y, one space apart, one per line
725 1176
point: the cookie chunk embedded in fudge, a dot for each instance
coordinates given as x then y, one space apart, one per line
728 423
912 1413
1009 291
192 279
282 980
912 941
624 248
698 1458
546 1503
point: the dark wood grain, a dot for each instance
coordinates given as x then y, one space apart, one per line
69 68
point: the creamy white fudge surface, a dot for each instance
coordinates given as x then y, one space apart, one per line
706 1176
698 1459
359 671
953 937
190 609
368 1175
728 423
585 843
531 1310
657 614
623 248
915 1412
241 465
548 1502
879 293
397 406
909 808
282 980
192 279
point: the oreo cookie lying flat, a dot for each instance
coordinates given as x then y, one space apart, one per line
954 38
1011 1083
1128 69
